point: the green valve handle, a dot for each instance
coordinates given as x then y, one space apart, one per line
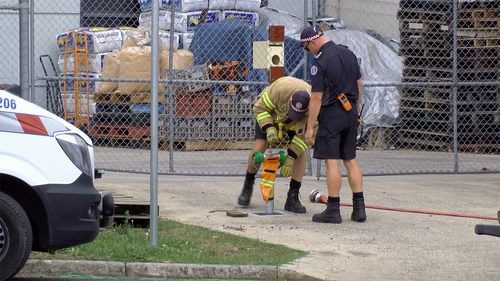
258 157
282 155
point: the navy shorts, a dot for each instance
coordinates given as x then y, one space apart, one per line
337 133
259 135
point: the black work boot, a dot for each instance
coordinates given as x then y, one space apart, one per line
330 215
358 210
293 203
246 193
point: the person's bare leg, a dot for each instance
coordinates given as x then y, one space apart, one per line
333 177
299 167
354 175
355 178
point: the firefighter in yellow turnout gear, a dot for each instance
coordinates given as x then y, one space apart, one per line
286 102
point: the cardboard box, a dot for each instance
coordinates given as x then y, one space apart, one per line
183 22
95 62
180 5
248 17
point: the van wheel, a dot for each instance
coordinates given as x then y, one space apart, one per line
16 238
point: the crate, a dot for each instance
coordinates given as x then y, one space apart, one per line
245 128
163 126
223 104
123 119
191 128
198 72
192 104
222 128
244 105
108 131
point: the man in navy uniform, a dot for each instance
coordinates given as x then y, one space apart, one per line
335 98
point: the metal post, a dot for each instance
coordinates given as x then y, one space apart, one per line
171 93
24 52
270 205
304 69
318 169
314 12
32 96
455 88
154 125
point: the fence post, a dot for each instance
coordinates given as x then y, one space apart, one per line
154 124
24 51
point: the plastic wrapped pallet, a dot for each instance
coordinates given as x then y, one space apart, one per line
141 36
184 22
165 39
180 5
93 86
240 5
247 5
95 62
248 17
61 41
110 69
185 39
100 40
222 4
125 30
70 104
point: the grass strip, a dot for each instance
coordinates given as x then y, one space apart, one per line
177 243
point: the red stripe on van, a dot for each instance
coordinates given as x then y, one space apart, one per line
31 124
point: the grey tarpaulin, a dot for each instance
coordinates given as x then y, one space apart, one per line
379 63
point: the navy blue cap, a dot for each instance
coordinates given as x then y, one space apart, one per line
299 104
308 34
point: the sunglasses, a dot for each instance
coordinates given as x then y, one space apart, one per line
305 46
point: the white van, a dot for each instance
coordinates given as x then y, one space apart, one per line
47 195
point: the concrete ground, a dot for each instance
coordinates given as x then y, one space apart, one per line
433 240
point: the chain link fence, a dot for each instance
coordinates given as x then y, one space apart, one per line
9 41
430 73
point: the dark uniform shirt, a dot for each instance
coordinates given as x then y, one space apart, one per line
335 70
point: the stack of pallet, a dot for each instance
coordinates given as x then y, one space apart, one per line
207 116
426 31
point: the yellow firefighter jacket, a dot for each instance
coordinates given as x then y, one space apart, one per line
271 108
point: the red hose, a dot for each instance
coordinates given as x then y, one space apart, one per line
424 212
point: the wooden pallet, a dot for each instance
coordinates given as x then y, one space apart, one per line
201 145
